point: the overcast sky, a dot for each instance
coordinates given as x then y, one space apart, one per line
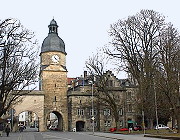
83 24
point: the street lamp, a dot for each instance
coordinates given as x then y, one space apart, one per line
143 122
92 103
155 102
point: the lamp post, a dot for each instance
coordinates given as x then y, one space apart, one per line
12 115
143 123
155 102
92 105
93 108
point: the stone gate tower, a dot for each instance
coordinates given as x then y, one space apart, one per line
53 77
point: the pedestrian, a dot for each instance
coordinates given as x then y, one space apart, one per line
7 130
1 129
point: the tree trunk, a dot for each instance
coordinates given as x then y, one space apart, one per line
116 117
178 121
150 123
117 125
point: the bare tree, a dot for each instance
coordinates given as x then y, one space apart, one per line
18 66
135 42
106 96
168 69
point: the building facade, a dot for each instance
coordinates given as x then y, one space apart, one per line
81 111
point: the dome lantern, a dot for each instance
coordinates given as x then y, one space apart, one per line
53 27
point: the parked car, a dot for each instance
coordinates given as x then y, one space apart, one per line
52 127
176 126
161 126
32 126
124 129
113 129
137 128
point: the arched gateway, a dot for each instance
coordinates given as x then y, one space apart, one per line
33 102
57 123
52 96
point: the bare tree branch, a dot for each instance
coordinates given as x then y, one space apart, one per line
18 66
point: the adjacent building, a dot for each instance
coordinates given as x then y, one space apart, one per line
83 105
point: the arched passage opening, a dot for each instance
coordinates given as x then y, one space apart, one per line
33 102
80 125
27 121
55 121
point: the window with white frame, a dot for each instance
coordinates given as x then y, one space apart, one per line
107 123
80 112
121 123
120 111
95 112
107 112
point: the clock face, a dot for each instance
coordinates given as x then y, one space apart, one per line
55 58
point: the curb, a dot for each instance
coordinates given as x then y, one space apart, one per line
163 137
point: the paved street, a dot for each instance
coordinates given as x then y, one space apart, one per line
54 135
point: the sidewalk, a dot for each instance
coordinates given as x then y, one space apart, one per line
125 137
22 136
165 137
12 136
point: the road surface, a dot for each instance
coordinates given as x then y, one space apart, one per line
55 135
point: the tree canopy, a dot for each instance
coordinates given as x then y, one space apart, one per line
148 49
